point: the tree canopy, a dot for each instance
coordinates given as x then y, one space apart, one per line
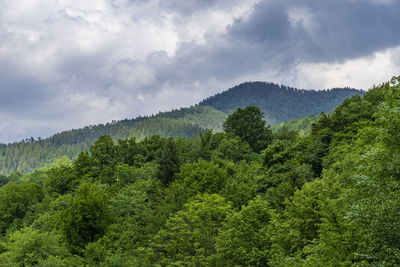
330 197
248 125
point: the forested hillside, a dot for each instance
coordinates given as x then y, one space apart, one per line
279 103
242 197
29 154
301 126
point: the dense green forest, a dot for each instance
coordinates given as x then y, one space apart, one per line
246 196
302 126
30 154
280 103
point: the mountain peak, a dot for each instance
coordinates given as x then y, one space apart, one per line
279 103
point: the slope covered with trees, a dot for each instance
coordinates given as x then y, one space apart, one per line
302 126
279 103
330 198
29 154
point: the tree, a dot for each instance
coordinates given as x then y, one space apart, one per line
103 151
15 201
61 176
205 144
104 158
131 152
168 163
30 247
86 217
243 239
188 238
203 177
249 125
232 148
83 165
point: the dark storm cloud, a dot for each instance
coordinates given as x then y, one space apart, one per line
342 29
268 24
20 93
187 7
279 34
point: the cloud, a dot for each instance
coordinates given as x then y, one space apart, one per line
289 32
70 63
280 35
360 73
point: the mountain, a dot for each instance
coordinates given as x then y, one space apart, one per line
330 197
279 103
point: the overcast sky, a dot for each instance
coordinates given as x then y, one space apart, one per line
70 63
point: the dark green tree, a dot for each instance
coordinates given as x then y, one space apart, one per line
60 179
249 125
15 202
4 180
168 163
103 151
131 152
86 217
104 158
83 165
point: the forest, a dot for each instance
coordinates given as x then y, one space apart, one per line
279 104
246 196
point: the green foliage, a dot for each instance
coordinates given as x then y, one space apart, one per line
189 236
301 126
248 125
205 144
15 202
203 177
330 197
3 180
28 155
86 216
60 178
232 148
241 184
279 103
243 239
103 159
30 247
168 163
131 152
83 165
318 149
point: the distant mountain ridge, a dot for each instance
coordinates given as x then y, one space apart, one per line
279 103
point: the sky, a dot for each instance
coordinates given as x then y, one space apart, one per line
71 63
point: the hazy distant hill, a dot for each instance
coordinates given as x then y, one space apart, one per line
29 154
279 103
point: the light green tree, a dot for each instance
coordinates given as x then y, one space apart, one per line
189 236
